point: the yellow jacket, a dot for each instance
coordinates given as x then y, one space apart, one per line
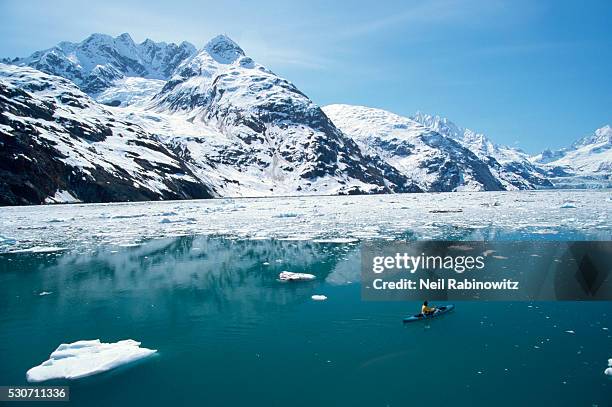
425 309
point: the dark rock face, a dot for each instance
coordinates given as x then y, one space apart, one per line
521 174
457 160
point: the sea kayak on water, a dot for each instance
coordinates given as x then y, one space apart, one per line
439 311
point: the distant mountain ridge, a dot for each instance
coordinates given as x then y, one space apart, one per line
126 121
437 162
94 63
587 163
512 166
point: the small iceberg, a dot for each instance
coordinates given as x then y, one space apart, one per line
608 371
318 297
85 358
289 276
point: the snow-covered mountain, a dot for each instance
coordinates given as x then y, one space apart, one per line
274 139
587 163
437 153
107 119
224 125
437 162
59 145
95 63
511 166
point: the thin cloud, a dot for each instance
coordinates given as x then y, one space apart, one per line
426 13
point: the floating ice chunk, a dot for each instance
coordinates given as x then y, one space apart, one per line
40 249
568 205
289 276
337 240
318 297
287 215
45 293
86 358
570 332
608 371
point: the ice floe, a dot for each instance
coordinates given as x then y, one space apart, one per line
86 358
333 219
318 297
608 371
40 249
289 276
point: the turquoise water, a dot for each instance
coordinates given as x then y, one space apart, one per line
228 333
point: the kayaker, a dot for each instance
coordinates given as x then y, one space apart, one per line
426 310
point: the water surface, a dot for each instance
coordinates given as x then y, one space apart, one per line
229 333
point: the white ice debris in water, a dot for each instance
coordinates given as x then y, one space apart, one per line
608 371
40 249
321 218
570 332
337 240
318 297
289 276
86 358
45 293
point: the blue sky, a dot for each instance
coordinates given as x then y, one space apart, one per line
533 74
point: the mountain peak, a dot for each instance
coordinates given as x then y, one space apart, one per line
223 49
95 38
125 37
604 132
601 136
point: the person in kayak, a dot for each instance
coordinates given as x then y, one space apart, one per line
427 310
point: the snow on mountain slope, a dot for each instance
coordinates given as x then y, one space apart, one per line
510 165
130 91
168 121
436 162
58 145
587 163
279 141
99 60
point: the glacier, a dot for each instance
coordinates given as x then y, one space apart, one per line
587 163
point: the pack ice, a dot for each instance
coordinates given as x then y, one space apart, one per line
289 276
85 358
608 371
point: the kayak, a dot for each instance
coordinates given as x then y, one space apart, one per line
439 311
